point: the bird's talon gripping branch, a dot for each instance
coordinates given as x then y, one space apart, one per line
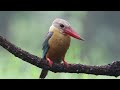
50 63
65 64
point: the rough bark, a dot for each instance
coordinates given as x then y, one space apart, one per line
112 69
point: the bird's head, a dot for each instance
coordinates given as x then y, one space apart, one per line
65 28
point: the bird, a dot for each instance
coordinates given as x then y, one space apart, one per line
57 43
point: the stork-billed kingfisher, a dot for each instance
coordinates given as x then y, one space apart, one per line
57 43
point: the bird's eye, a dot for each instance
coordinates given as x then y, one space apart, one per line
62 26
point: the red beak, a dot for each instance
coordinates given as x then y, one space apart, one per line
72 33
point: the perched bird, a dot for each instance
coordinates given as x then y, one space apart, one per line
57 43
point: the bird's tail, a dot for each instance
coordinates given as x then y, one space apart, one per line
43 74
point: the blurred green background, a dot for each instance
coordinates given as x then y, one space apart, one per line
27 29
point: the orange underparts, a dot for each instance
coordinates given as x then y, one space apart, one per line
50 62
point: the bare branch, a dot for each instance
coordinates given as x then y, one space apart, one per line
112 69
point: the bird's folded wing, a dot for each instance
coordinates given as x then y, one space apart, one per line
46 45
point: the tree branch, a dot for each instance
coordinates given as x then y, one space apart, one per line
112 69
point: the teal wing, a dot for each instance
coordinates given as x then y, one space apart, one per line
46 45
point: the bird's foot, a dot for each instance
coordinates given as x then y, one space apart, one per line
50 63
65 64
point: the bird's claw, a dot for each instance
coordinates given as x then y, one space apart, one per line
65 64
50 63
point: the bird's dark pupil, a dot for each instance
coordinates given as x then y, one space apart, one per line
61 25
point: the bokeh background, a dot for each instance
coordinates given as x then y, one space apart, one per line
27 29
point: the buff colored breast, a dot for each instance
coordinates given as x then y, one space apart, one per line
59 44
